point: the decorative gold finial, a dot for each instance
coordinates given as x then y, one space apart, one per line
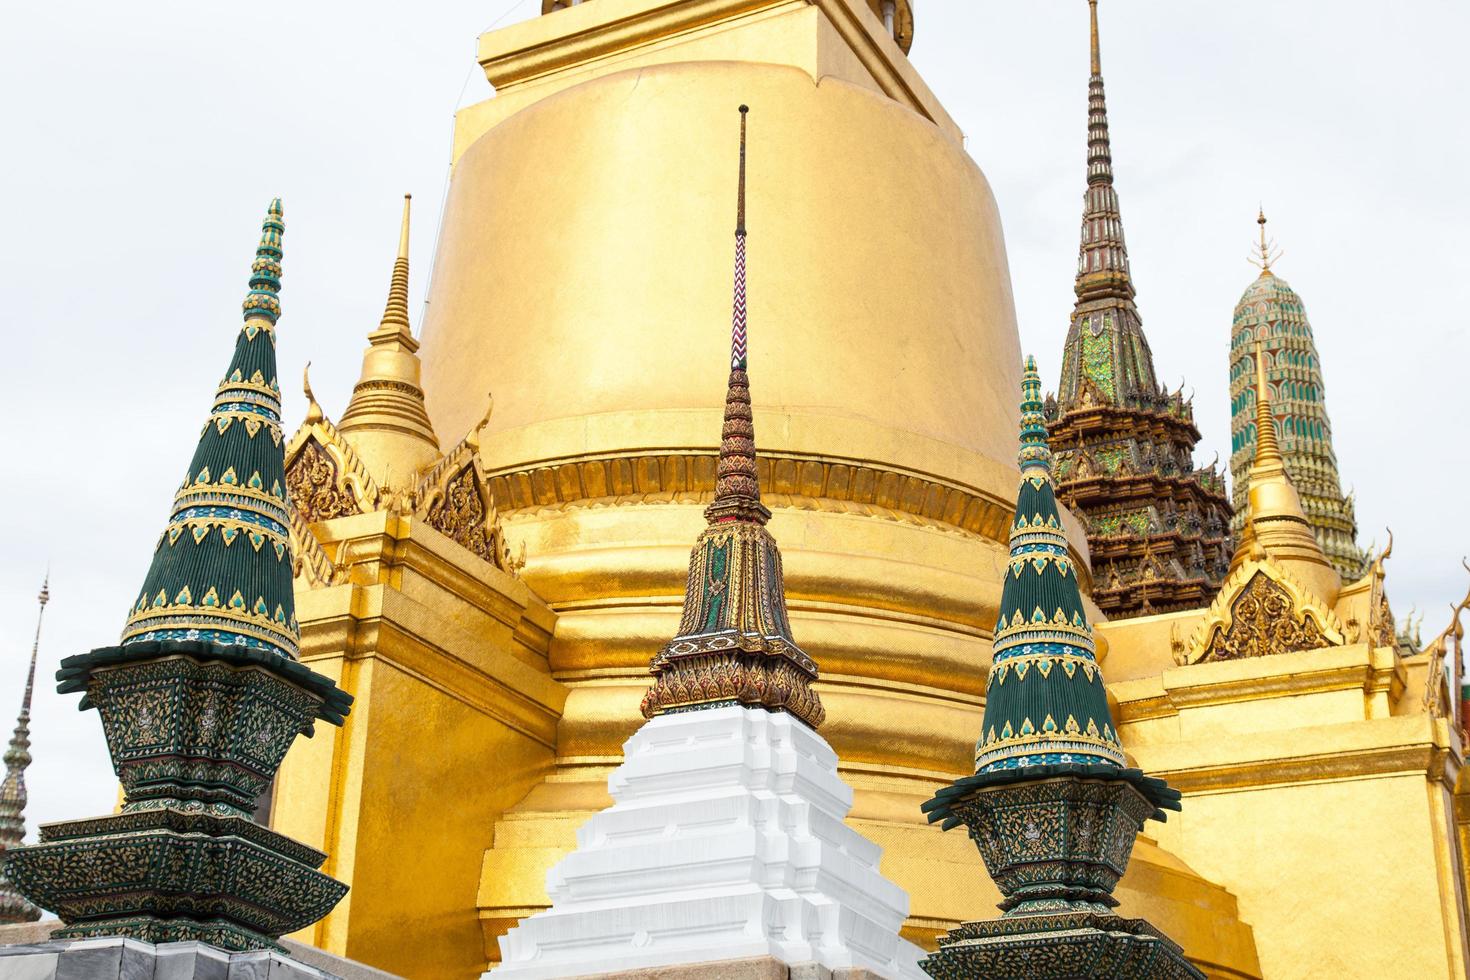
737 487
1267 252
1268 450
403 232
472 439
395 323
314 411
1096 47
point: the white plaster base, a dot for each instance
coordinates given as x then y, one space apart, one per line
725 841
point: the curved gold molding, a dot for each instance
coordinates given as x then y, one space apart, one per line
788 479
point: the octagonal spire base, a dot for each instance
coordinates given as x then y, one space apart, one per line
196 730
1056 840
1059 946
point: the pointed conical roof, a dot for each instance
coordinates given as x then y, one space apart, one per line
1045 700
13 798
734 644
385 420
222 569
1106 350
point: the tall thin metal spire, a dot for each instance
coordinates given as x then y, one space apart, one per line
13 796
1266 251
737 488
734 644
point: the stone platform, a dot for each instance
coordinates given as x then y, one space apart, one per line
751 968
27 952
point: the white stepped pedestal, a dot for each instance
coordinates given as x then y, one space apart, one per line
725 841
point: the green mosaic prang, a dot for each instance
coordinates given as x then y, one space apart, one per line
202 698
1044 700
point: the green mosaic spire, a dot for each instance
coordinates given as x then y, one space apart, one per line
1045 701
202 697
222 569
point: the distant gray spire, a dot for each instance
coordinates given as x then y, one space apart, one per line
13 907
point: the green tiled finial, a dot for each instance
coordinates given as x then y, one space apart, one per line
222 571
264 298
1034 449
1045 702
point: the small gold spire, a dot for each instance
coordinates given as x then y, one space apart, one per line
394 324
1096 47
403 232
1268 450
385 420
1276 526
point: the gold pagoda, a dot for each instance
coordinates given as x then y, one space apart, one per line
490 587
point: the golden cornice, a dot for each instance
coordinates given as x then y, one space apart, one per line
798 480
1426 758
1293 674
360 623
599 33
378 547
581 36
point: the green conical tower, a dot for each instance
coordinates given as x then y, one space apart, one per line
222 569
202 697
1052 806
1045 701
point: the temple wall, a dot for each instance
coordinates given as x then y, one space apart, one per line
1331 817
453 723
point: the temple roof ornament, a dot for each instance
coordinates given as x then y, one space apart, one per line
1157 526
384 454
1281 591
1271 313
202 697
734 644
13 906
386 417
1052 806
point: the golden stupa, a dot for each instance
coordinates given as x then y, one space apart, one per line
491 586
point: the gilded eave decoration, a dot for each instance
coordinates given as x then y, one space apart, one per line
324 477
1261 610
454 498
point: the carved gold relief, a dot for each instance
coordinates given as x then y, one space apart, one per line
460 513
1264 619
317 490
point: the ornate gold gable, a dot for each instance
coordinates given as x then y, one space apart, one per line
324 477
1261 611
454 498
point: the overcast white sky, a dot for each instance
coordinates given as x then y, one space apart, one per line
143 141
